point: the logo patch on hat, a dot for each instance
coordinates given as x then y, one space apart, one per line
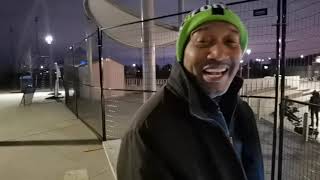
217 11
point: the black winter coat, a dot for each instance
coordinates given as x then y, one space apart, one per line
179 135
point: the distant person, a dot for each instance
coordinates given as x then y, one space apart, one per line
196 127
314 99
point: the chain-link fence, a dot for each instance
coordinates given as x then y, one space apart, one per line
82 83
300 157
301 147
263 108
111 73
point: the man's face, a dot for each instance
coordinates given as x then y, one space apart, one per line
213 56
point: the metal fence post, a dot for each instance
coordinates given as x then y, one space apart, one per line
305 127
102 103
283 83
246 91
75 83
258 109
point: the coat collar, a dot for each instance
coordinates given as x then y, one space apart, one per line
201 105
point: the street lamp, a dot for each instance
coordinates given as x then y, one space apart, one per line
248 51
49 40
134 68
241 61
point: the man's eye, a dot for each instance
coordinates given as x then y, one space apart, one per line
232 42
202 42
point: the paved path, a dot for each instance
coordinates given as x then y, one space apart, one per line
46 141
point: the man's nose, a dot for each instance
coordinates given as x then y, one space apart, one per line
218 52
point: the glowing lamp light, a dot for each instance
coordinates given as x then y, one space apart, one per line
248 51
49 39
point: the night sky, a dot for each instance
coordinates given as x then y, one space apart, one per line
65 20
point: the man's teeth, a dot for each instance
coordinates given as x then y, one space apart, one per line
212 70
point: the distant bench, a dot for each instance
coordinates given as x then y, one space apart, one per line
27 97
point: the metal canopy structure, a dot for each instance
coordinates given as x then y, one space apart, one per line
262 40
108 15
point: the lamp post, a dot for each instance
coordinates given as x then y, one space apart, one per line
248 52
241 61
261 67
49 40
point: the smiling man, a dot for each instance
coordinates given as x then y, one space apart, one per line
196 127
213 56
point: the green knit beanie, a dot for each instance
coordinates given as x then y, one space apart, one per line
207 13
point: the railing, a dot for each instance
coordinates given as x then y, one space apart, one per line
250 86
300 141
139 82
